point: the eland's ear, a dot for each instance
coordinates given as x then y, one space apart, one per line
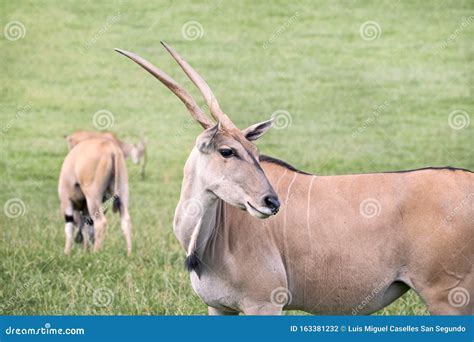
256 131
205 140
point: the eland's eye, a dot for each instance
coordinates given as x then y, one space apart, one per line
226 152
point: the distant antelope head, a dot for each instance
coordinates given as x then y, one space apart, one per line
224 161
136 152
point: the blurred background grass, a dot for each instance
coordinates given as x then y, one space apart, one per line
355 105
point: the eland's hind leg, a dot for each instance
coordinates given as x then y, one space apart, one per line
96 212
95 193
457 300
120 204
68 212
448 290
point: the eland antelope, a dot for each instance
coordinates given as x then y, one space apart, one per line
94 177
347 244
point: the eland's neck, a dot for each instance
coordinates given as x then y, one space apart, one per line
197 214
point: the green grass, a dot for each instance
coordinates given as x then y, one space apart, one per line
318 68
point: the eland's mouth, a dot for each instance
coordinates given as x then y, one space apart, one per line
265 213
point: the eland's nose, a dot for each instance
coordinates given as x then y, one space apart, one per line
273 203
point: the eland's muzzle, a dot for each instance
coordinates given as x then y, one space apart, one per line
272 203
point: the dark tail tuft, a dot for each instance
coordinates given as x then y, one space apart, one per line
192 263
117 204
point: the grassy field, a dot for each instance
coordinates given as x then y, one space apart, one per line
358 87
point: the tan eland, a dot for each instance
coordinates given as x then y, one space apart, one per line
340 244
93 178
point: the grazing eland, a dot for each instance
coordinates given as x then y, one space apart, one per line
348 244
94 177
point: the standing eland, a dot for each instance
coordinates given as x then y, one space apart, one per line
347 244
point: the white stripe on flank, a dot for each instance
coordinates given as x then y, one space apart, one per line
287 256
308 213
279 180
288 196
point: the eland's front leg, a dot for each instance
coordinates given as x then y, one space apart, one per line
263 309
219 312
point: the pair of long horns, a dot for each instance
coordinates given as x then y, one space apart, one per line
181 93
